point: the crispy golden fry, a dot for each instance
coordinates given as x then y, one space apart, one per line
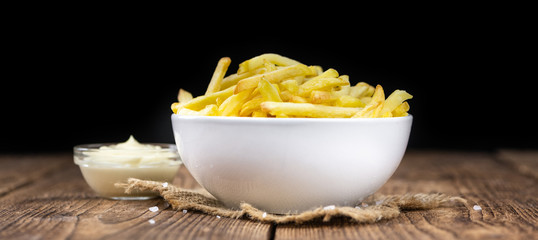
377 99
345 78
291 85
327 79
298 99
175 107
319 97
401 110
349 101
183 96
317 70
387 115
362 89
268 91
209 110
285 96
395 99
377 111
344 91
307 110
218 75
200 102
188 112
259 114
273 77
366 100
320 84
268 66
251 106
232 105
232 79
271 85
259 61
330 73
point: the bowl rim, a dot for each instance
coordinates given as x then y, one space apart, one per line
289 120
96 146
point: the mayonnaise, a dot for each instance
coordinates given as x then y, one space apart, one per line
131 153
105 165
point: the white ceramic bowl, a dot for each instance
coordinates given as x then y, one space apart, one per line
283 165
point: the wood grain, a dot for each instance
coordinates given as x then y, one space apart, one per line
524 161
58 204
45 197
508 200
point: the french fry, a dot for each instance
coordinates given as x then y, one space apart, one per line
327 79
394 100
200 102
349 101
366 100
268 91
307 110
318 70
320 84
270 85
183 96
232 105
285 96
377 111
344 91
298 99
251 106
175 107
259 61
188 112
291 85
273 77
232 79
218 75
259 114
209 110
320 97
268 66
377 99
401 110
362 89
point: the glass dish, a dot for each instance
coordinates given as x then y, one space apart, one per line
102 167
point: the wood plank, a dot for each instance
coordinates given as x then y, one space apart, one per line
524 161
46 197
15 169
60 205
508 201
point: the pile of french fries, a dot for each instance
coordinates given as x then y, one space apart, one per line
271 85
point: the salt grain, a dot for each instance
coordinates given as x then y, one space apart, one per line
477 208
165 184
151 221
154 209
330 207
264 215
184 210
218 216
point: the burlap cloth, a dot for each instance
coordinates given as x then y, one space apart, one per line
371 210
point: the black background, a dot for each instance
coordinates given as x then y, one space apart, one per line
99 78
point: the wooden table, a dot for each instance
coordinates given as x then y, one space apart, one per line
45 197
